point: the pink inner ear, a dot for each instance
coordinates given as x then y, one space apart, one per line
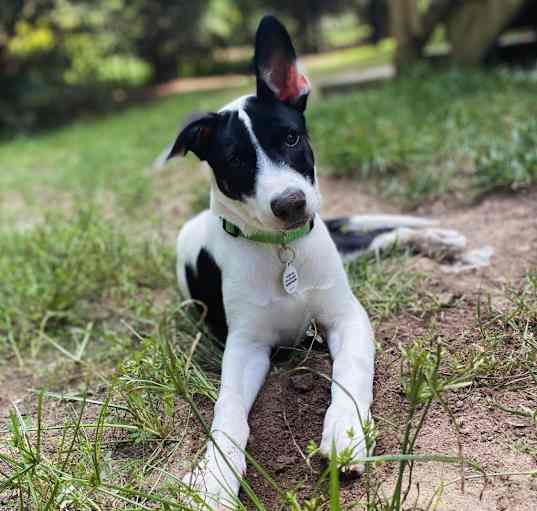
288 82
296 84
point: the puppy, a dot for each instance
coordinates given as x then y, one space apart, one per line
265 263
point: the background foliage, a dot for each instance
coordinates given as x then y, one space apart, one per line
59 58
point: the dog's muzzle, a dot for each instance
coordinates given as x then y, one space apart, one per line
290 207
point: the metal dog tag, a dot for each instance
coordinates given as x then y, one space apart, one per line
290 279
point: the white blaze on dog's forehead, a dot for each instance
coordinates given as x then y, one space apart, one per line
245 118
238 105
264 163
261 156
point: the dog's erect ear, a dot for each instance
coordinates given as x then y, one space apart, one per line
195 136
276 68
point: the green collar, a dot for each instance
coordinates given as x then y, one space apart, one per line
273 237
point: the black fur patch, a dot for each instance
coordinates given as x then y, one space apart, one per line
352 241
232 157
272 121
205 285
195 136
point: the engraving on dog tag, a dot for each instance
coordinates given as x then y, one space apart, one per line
290 279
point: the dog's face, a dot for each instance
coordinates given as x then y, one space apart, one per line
258 146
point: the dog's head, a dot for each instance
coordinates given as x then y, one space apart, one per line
258 146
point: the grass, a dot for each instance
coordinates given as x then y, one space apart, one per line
102 161
385 286
458 133
126 372
58 280
78 291
326 65
503 347
77 464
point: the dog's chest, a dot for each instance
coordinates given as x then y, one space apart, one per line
282 322
255 298
258 277
243 283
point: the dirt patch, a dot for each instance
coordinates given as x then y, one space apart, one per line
287 415
15 385
343 197
506 222
490 438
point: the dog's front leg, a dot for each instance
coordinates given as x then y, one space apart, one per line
350 340
244 368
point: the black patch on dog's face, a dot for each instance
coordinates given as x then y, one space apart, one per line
232 157
272 123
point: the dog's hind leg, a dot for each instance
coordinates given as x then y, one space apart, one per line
357 235
217 477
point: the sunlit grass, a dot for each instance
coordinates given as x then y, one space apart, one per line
430 134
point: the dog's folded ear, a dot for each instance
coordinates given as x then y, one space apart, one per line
278 76
195 136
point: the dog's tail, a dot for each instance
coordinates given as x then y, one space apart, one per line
358 235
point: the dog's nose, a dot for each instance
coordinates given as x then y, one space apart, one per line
290 205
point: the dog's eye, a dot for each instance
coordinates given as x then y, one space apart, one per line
292 139
234 161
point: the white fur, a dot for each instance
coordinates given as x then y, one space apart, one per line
408 232
371 222
236 104
429 241
261 315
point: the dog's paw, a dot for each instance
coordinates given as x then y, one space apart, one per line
212 487
343 430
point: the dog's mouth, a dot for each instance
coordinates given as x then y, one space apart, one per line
297 224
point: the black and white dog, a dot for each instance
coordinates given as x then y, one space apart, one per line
265 264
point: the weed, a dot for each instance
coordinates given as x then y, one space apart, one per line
81 468
503 344
384 285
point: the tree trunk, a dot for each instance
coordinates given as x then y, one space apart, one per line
405 24
474 28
